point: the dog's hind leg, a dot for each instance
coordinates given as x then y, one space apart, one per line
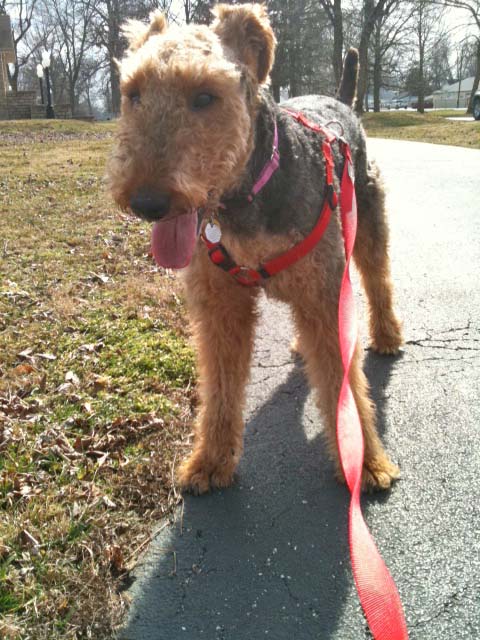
223 316
372 259
315 314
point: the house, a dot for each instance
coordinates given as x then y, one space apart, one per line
453 95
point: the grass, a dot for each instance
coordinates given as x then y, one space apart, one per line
95 385
431 126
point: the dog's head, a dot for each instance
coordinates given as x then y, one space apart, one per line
189 100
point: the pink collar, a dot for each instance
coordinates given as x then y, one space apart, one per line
270 168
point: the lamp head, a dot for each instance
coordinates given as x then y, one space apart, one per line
46 60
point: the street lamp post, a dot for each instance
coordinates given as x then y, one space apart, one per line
46 66
40 80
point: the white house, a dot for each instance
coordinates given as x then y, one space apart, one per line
453 95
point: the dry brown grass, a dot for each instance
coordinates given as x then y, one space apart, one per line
95 386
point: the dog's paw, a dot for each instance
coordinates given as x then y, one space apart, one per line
379 474
388 342
198 474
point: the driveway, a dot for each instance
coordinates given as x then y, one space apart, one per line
268 558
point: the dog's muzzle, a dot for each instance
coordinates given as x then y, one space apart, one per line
149 204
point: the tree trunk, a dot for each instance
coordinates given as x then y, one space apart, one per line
377 80
337 41
476 80
362 74
294 88
421 81
368 24
115 88
377 69
72 98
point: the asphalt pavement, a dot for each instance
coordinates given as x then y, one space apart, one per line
268 558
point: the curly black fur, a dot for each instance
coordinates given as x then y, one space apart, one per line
293 197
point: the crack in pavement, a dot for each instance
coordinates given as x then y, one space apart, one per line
452 600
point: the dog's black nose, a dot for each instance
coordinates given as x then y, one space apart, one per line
149 204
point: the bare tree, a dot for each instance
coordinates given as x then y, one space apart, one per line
389 34
473 9
72 22
426 19
24 10
461 52
333 10
197 11
108 17
371 13
440 69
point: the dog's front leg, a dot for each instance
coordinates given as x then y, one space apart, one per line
223 315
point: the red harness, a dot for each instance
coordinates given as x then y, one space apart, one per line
251 277
376 589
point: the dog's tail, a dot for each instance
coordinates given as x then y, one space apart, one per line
348 84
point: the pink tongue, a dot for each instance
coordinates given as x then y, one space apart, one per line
173 240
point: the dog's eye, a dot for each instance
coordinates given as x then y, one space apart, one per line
134 97
202 100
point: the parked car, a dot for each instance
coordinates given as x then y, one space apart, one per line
476 105
400 103
427 104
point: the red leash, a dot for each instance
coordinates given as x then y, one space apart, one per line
375 586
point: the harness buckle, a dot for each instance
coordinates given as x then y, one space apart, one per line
246 276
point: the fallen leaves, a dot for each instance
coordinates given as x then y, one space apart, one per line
89 424
29 542
115 558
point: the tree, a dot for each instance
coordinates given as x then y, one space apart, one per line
426 19
333 10
24 10
371 13
301 54
389 35
440 69
473 9
72 22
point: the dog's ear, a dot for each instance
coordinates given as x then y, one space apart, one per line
137 33
246 30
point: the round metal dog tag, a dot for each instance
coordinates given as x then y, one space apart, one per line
213 233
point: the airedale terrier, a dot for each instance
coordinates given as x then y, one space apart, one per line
198 128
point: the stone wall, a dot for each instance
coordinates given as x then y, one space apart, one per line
17 106
22 106
62 111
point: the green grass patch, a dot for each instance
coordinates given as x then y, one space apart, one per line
95 385
432 127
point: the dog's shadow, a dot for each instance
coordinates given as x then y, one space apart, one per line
269 557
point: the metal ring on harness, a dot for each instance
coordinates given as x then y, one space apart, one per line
338 124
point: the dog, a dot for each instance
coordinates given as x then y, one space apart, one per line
205 153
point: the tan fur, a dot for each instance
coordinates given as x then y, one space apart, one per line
372 259
246 30
223 328
196 157
137 33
